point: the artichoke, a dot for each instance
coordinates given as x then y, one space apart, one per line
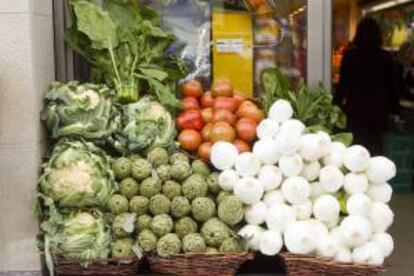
118 204
178 157
193 243
123 248
230 210
171 189
222 195
141 169
214 232
199 167
143 222
158 156
194 186
123 225
147 240
180 171
185 226
168 245
139 205
122 168
203 209
232 245
180 207
159 204
150 187
163 172
129 187
161 225
212 183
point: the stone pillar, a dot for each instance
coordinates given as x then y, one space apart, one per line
26 68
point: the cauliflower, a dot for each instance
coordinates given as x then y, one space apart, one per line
180 170
195 186
185 226
143 222
118 204
194 243
180 207
168 245
129 187
161 225
139 205
213 184
200 167
179 157
122 168
147 240
158 156
163 172
231 245
141 169
214 232
150 187
230 210
222 195
123 248
203 209
159 204
171 189
123 225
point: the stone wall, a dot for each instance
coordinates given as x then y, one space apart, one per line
26 68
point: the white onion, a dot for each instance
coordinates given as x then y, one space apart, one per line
253 235
247 164
331 179
279 217
381 169
248 190
255 214
311 171
280 111
356 158
356 230
223 155
299 239
359 205
384 242
271 243
273 197
355 183
266 151
381 217
326 208
335 156
380 192
296 190
303 211
267 129
291 165
270 177
227 179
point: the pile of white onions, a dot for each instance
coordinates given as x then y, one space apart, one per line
309 194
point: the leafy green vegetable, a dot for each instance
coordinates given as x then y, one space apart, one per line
78 235
313 106
78 174
126 47
80 111
144 125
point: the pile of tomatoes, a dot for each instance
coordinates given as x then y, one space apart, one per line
221 114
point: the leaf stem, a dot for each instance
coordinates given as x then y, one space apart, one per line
111 53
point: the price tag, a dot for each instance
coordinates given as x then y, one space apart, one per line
227 46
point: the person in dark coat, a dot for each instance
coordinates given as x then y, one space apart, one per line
367 86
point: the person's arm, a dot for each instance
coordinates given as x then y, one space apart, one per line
340 96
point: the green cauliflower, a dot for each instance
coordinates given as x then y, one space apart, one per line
147 240
141 169
163 172
123 248
180 207
161 225
193 243
232 245
123 225
129 187
139 205
194 186
143 222
150 187
134 157
159 204
180 170
118 204
185 226
222 195
214 232
179 157
168 245
212 250
212 183
158 156
203 209
171 189
122 168
200 167
230 210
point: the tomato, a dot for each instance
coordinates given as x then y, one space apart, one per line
222 131
242 146
249 110
189 140
204 151
207 114
190 119
239 97
246 129
223 115
190 103
205 133
229 104
207 100
192 88
222 87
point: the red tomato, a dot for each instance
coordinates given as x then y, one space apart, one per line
246 129
190 103
223 115
207 114
207 100
229 104
205 133
222 87
242 146
192 88
222 131
189 140
190 119
204 151
249 110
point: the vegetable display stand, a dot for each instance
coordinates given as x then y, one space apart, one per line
304 265
198 264
108 267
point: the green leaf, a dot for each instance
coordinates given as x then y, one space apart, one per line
154 73
345 138
96 24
